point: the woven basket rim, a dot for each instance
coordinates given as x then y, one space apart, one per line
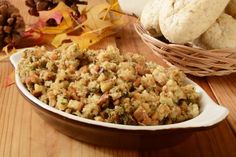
192 60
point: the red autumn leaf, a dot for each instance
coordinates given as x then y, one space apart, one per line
10 79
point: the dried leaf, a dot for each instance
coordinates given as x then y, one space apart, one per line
60 8
95 19
57 41
39 33
95 23
10 79
55 30
37 38
62 15
89 38
114 4
57 16
8 51
61 28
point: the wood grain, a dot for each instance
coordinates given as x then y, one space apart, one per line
23 133
224 89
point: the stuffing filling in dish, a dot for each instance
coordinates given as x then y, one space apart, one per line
106 86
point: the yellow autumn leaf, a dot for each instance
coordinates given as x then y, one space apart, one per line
61 7
89 38
67 22
114 5
67 18
100 22
55 30
7 52
94 18
57 41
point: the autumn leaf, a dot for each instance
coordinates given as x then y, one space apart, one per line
7 52
57 41
57 16
89 38
95 23
94 17
10 79
58 29
36 38
62 15
55 12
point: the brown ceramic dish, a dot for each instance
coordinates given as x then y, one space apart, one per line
124 136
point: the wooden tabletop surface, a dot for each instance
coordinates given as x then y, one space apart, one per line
23 133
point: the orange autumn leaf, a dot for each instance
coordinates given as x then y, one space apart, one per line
10 79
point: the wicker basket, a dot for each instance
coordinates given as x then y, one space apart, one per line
191 60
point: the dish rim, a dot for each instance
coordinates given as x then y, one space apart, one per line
211 110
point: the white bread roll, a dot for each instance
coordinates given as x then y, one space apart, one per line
182 21
222 34
150 17
133 7
231 8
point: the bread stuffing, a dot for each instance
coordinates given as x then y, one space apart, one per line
104 85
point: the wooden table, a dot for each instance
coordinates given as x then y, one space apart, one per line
23 133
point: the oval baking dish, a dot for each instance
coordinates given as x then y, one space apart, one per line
125 136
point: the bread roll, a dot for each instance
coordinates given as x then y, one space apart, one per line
231 8
132 7
222 34
150 17
182 21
